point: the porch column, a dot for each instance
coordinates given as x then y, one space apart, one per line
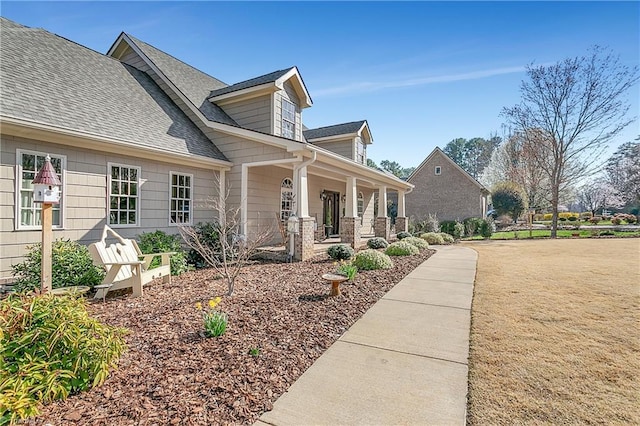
401 220
350 223
303 240
382 226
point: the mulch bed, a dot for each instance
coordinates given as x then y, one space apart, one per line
173 374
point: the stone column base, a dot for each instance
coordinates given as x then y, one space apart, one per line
402 224
382 227
350 231
303 240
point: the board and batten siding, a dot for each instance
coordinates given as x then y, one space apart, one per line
85 196
254 113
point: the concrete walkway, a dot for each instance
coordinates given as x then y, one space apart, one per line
403 362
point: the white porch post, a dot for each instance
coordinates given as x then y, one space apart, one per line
351 207
383 222
401 212
244 184
382 201
302 193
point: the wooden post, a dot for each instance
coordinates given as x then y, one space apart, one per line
46 247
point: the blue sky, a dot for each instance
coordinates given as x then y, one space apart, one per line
422 73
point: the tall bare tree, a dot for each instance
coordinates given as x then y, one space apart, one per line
233 250
623 169
574 108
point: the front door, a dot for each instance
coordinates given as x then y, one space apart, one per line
331 213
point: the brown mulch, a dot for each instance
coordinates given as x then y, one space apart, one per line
173 374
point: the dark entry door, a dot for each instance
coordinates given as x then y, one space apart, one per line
331 213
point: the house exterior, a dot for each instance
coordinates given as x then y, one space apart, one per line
444 189
141 141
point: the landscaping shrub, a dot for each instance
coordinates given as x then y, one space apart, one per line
161 242
572 218
208 234
458 230
595 220
71 265
472 225
51 348
370 259
448 226
508 199
377 243
418 242
487 228
548 216
448 239
586 215
402 235
562 219
616 220
340 252
631 219
432 223
348 269
432 238
401 248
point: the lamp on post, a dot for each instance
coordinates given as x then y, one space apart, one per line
46 190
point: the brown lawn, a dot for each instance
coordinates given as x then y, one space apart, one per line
555 333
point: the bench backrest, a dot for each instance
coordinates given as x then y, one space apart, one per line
123 250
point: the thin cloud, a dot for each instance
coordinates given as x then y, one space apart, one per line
370 86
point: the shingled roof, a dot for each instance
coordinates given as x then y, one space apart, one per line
48 79
267 78
193 83
335 130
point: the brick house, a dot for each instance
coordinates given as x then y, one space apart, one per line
444 189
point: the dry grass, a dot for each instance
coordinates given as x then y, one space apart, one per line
555 333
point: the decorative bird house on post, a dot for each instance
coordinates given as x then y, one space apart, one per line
46 190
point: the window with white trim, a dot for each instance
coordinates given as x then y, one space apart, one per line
180 202
288 119
124 195
361 207
438 170
361 150
286 199
28 213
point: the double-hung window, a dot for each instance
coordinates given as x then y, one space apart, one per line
288 119
360 152
181 203
124 195
28 213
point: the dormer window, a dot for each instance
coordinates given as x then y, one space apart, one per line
288 119
361 149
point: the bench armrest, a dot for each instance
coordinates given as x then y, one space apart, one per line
127 262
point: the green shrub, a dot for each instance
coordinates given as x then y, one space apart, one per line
472 226
586 215
208 233
448 226
51 348
418 242
403 235
71 265
370 259
432 238
458 230
562 219
487 228
401 248
348 269
340 252
572 218
508 199
448 239
377 243
161 242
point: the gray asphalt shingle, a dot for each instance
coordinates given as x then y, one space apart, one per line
267 78
193 83
334 130
49 79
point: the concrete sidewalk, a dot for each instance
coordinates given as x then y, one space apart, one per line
403 362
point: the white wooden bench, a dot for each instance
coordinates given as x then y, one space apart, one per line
125 264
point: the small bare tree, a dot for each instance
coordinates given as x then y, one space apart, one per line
233 249
573 109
